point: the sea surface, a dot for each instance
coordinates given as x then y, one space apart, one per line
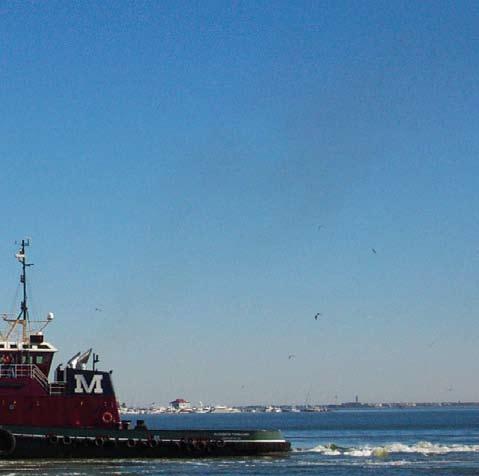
436 441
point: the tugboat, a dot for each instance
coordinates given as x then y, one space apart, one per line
76 415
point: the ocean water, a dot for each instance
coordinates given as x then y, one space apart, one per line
436 441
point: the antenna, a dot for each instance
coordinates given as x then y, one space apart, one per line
96 359
22 258
23 319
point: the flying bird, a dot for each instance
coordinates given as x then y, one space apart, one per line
97 309
291 356
373 250
317 316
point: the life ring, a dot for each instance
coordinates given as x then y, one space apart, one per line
8 443
107 417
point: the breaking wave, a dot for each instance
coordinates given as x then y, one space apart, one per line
421 447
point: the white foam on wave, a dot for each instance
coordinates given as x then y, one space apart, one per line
421 447
329 450
426 447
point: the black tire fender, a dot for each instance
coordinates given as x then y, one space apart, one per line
201 445
152 443
8 443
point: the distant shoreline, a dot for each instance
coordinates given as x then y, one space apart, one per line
135 411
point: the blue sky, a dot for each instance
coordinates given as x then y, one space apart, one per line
213 174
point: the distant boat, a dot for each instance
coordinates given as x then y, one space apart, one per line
129 411
316 409
224 409
272 409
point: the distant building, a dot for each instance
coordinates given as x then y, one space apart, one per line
180 404
355 404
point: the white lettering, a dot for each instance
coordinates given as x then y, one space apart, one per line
83 387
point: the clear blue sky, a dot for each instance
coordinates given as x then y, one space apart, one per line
212 174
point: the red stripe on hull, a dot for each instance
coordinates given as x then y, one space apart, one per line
24 402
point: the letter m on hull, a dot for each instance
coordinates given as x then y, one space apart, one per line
89 382
82 386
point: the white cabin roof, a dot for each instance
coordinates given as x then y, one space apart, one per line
20 346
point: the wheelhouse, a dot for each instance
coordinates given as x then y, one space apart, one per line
33 352
22 345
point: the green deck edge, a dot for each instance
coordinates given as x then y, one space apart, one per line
225 435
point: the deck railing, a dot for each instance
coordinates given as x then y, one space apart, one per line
57 388
25 371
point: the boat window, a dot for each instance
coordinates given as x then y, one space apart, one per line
39 359
26 359
13 346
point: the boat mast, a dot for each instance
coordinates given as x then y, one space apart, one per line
23 316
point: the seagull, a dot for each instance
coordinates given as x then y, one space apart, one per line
291 356
373 250
317 316
97 309
319 227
